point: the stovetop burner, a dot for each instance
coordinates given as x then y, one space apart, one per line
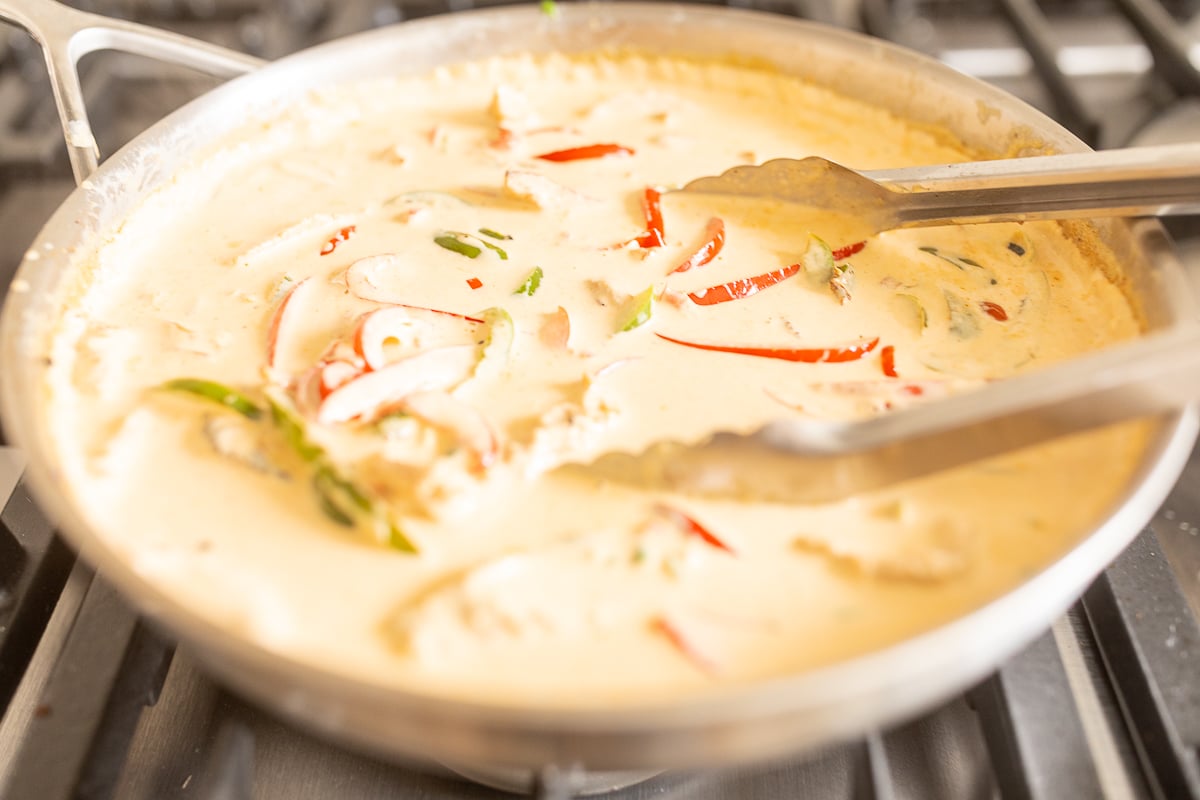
94 704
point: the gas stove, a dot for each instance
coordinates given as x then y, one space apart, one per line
95 704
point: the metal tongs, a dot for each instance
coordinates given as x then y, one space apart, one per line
1136 181
808 461
812 461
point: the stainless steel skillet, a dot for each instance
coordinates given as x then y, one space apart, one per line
731 723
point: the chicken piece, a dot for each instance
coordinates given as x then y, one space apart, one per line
511 110
540 190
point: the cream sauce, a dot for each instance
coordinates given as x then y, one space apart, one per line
257 268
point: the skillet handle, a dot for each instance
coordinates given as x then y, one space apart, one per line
66 35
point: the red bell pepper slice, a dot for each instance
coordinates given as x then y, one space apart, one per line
715 233
807 355
994 310
474 283
736 290
587 151
342 236
455 314
691 526
888 357
684 645
843 253
503 139
652 209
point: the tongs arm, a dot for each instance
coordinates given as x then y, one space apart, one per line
810 461
1136 181
66 35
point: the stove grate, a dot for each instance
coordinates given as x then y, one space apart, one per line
1149 640
34 565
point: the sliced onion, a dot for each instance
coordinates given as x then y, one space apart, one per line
336 374
614 366
409 325
341 350
282 320
372 392
364 276
377 328
540 190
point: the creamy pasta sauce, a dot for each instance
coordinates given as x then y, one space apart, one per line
392 312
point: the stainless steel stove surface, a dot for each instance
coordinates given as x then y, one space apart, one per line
1105 704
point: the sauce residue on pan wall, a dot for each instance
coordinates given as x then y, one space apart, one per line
391 312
